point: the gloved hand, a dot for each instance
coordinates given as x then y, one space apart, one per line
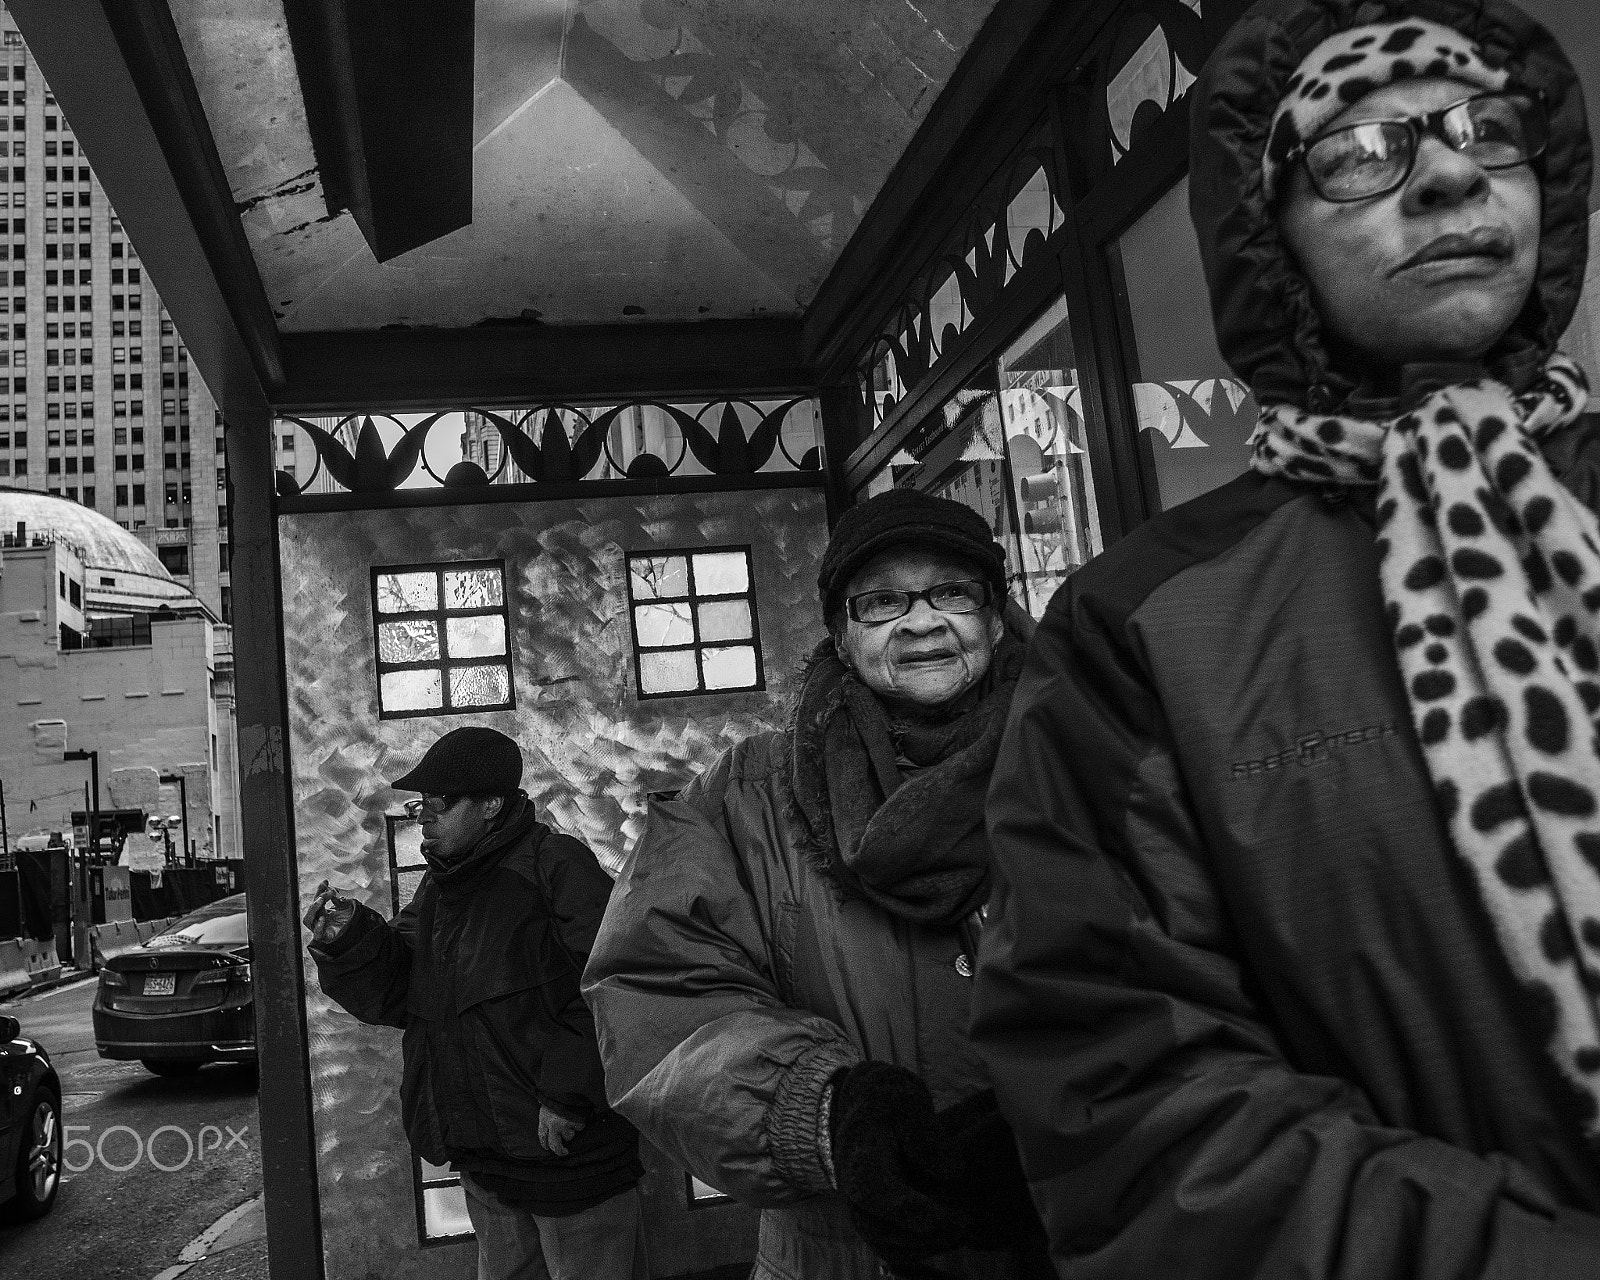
994 1188
894 1165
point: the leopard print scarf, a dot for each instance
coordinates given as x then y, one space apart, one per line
1490 571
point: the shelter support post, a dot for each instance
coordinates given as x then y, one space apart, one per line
288 1151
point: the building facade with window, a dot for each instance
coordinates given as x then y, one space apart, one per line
557 449
101 649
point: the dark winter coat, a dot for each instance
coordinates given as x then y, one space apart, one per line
730 980
482 975
1240 998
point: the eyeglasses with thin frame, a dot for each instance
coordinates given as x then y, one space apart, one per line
877 607
1359 161
435 805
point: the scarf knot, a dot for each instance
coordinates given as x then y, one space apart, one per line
1490 573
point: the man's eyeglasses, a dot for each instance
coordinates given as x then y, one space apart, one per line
435 805
875 607
1359 161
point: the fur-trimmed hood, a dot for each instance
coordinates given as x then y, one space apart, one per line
1267 326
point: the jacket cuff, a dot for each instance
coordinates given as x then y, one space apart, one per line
359 930
797 1120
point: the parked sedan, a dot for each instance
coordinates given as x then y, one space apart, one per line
184 998
30 1126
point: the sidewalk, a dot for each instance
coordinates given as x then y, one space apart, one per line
66 978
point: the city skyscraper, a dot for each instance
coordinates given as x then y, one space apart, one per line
97 400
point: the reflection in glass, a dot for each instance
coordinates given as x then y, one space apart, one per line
479 686
657 576
473 589
672 672
407 592
413 641
476 637
725 620
730 668
721 573
660 624
1011 445
411 690
1194 416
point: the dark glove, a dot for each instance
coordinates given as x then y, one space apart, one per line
994 1188
894 1166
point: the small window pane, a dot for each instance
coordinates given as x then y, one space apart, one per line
444 1212
725 620
660 624
413 641
721 573
411 690
473 589
476 637
731 668
479 686
407 592
671 672
657 576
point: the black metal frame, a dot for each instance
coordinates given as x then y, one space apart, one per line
439 616
419 1184
392 822
697 646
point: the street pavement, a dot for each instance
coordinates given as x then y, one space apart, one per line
187 1204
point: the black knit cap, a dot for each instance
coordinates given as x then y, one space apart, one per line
907 517
474 760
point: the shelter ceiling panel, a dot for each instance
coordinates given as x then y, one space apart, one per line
632 160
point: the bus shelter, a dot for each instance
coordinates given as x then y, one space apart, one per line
547 338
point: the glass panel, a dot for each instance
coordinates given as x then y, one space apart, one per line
413 641
479 686
1195 417
945 314
407 592
721 573
444 1212
672 672
411 690
1011 445
731 668
406 884
725 620
657 576
473 588
659 624
476 637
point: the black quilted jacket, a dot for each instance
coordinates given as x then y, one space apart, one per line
1239 996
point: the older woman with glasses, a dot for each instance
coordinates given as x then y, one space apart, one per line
781 982
1293 960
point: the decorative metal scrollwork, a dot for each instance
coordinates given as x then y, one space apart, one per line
563 444
1004 232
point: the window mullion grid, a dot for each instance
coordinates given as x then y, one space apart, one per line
694 624
444 642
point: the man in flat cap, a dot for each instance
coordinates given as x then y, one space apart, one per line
502 1077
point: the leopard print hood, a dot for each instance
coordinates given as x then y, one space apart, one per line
1267 326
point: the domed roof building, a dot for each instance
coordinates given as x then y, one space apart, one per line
122 575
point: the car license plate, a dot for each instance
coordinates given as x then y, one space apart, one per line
160 984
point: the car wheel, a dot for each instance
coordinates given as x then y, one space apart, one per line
171 1068
38 1168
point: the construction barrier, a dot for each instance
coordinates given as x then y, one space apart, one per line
107 941
14 975
40 957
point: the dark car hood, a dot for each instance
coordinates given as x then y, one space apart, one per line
1266 324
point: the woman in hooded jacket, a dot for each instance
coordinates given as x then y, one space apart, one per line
782 981
1292 962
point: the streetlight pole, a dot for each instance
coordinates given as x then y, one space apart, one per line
183 805
80 926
